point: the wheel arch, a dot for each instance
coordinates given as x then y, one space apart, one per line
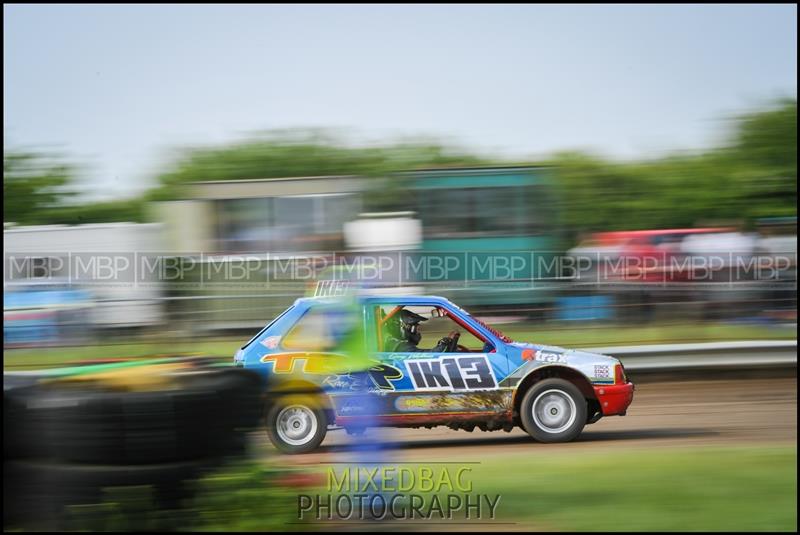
549 372
298 386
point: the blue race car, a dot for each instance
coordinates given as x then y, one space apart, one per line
475 377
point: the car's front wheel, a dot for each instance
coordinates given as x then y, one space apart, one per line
553 410
297 424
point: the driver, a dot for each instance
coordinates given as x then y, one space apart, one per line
404 335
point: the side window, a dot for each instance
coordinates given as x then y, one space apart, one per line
323 329
312 332
441 324
270 324
384 331
438 324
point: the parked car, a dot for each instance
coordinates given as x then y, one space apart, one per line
647 256
36 315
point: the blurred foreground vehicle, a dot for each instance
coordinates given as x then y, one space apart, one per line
72 433
483 379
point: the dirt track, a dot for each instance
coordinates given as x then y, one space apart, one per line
742 411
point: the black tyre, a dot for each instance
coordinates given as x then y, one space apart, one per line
203 415
553 410
297 423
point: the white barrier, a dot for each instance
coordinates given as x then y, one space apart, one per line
718 355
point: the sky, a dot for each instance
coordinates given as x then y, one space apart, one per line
119 88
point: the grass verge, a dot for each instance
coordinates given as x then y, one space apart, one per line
697 489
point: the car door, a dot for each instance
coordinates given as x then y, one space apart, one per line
436 384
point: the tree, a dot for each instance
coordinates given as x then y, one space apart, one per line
36 187
764 150
33 183
298 153
753 175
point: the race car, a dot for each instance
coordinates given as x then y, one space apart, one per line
476 377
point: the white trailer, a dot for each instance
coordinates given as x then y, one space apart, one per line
111 261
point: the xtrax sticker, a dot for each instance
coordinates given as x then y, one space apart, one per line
549 356
544 356
452 373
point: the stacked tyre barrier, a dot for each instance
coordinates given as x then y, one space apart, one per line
68 439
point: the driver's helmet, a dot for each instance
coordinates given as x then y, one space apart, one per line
408 322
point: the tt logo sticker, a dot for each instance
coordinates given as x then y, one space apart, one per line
383 374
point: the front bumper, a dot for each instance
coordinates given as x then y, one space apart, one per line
614 399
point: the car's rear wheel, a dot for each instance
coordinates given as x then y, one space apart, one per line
297 424
553 410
